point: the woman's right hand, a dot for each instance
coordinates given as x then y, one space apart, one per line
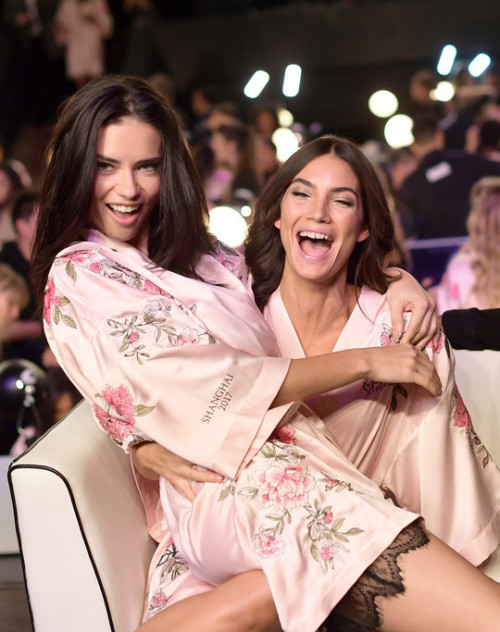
152 460
402 363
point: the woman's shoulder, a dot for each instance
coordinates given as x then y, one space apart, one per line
231 259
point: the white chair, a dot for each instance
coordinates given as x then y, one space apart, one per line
81 530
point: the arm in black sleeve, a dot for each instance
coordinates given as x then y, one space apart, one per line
474 329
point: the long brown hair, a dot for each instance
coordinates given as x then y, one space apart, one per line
178 233
264 252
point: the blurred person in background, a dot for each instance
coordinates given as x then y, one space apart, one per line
82 26
10 185
472 276
26 338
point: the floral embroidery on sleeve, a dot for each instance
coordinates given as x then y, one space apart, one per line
117 418
132 331
229 258
462 420
53 304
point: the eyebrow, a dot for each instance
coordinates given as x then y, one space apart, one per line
335 189
139 162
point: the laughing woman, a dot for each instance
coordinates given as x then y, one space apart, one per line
150 319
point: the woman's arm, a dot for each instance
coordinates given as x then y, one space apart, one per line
308 377
473 328
405 294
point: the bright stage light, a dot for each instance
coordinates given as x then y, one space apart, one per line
228 225
285 117
291 80
383 103
286 143
479 64
445 91
447 59
256 84
397 131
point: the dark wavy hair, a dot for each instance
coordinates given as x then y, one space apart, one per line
178 233
264 252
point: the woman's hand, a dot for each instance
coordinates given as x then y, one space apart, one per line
402 364
405 294
152 460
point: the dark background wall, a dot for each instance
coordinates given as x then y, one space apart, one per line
346 50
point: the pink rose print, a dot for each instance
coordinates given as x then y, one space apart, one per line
134 337
326 552
461 414
160 600
49 300
386 337
78 258
328 518
284 487
186 337
115 428
151 288
437 347
285 434
96 266
121 401
266 545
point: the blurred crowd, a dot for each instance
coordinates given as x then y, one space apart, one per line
443 187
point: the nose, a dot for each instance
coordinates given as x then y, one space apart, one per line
318 210
127 185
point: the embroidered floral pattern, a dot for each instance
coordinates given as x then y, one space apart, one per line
462 420
154 319
117 418
285 434
386 340
324 535
172 561
53 305
283 489
159 602
229 258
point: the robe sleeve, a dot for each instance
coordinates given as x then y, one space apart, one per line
151 370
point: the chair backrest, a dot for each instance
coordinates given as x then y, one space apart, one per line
81 530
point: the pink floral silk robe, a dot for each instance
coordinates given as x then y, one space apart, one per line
190 365
421 449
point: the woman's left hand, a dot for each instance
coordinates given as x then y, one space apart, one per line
152 460
405 294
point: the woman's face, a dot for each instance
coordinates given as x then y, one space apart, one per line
321 221
9 310
127 182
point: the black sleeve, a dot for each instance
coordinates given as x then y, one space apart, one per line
474 329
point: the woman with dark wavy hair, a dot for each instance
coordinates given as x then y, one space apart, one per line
153 323
264 251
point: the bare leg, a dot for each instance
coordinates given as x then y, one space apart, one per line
242 604
421 584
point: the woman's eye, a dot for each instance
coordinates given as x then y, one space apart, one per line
301 194
346 203
153 167
103 166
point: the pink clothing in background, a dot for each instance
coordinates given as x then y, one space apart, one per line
81 27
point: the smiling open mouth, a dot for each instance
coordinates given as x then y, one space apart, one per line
122 209
313 243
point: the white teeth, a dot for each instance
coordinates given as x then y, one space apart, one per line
311 235
122 209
